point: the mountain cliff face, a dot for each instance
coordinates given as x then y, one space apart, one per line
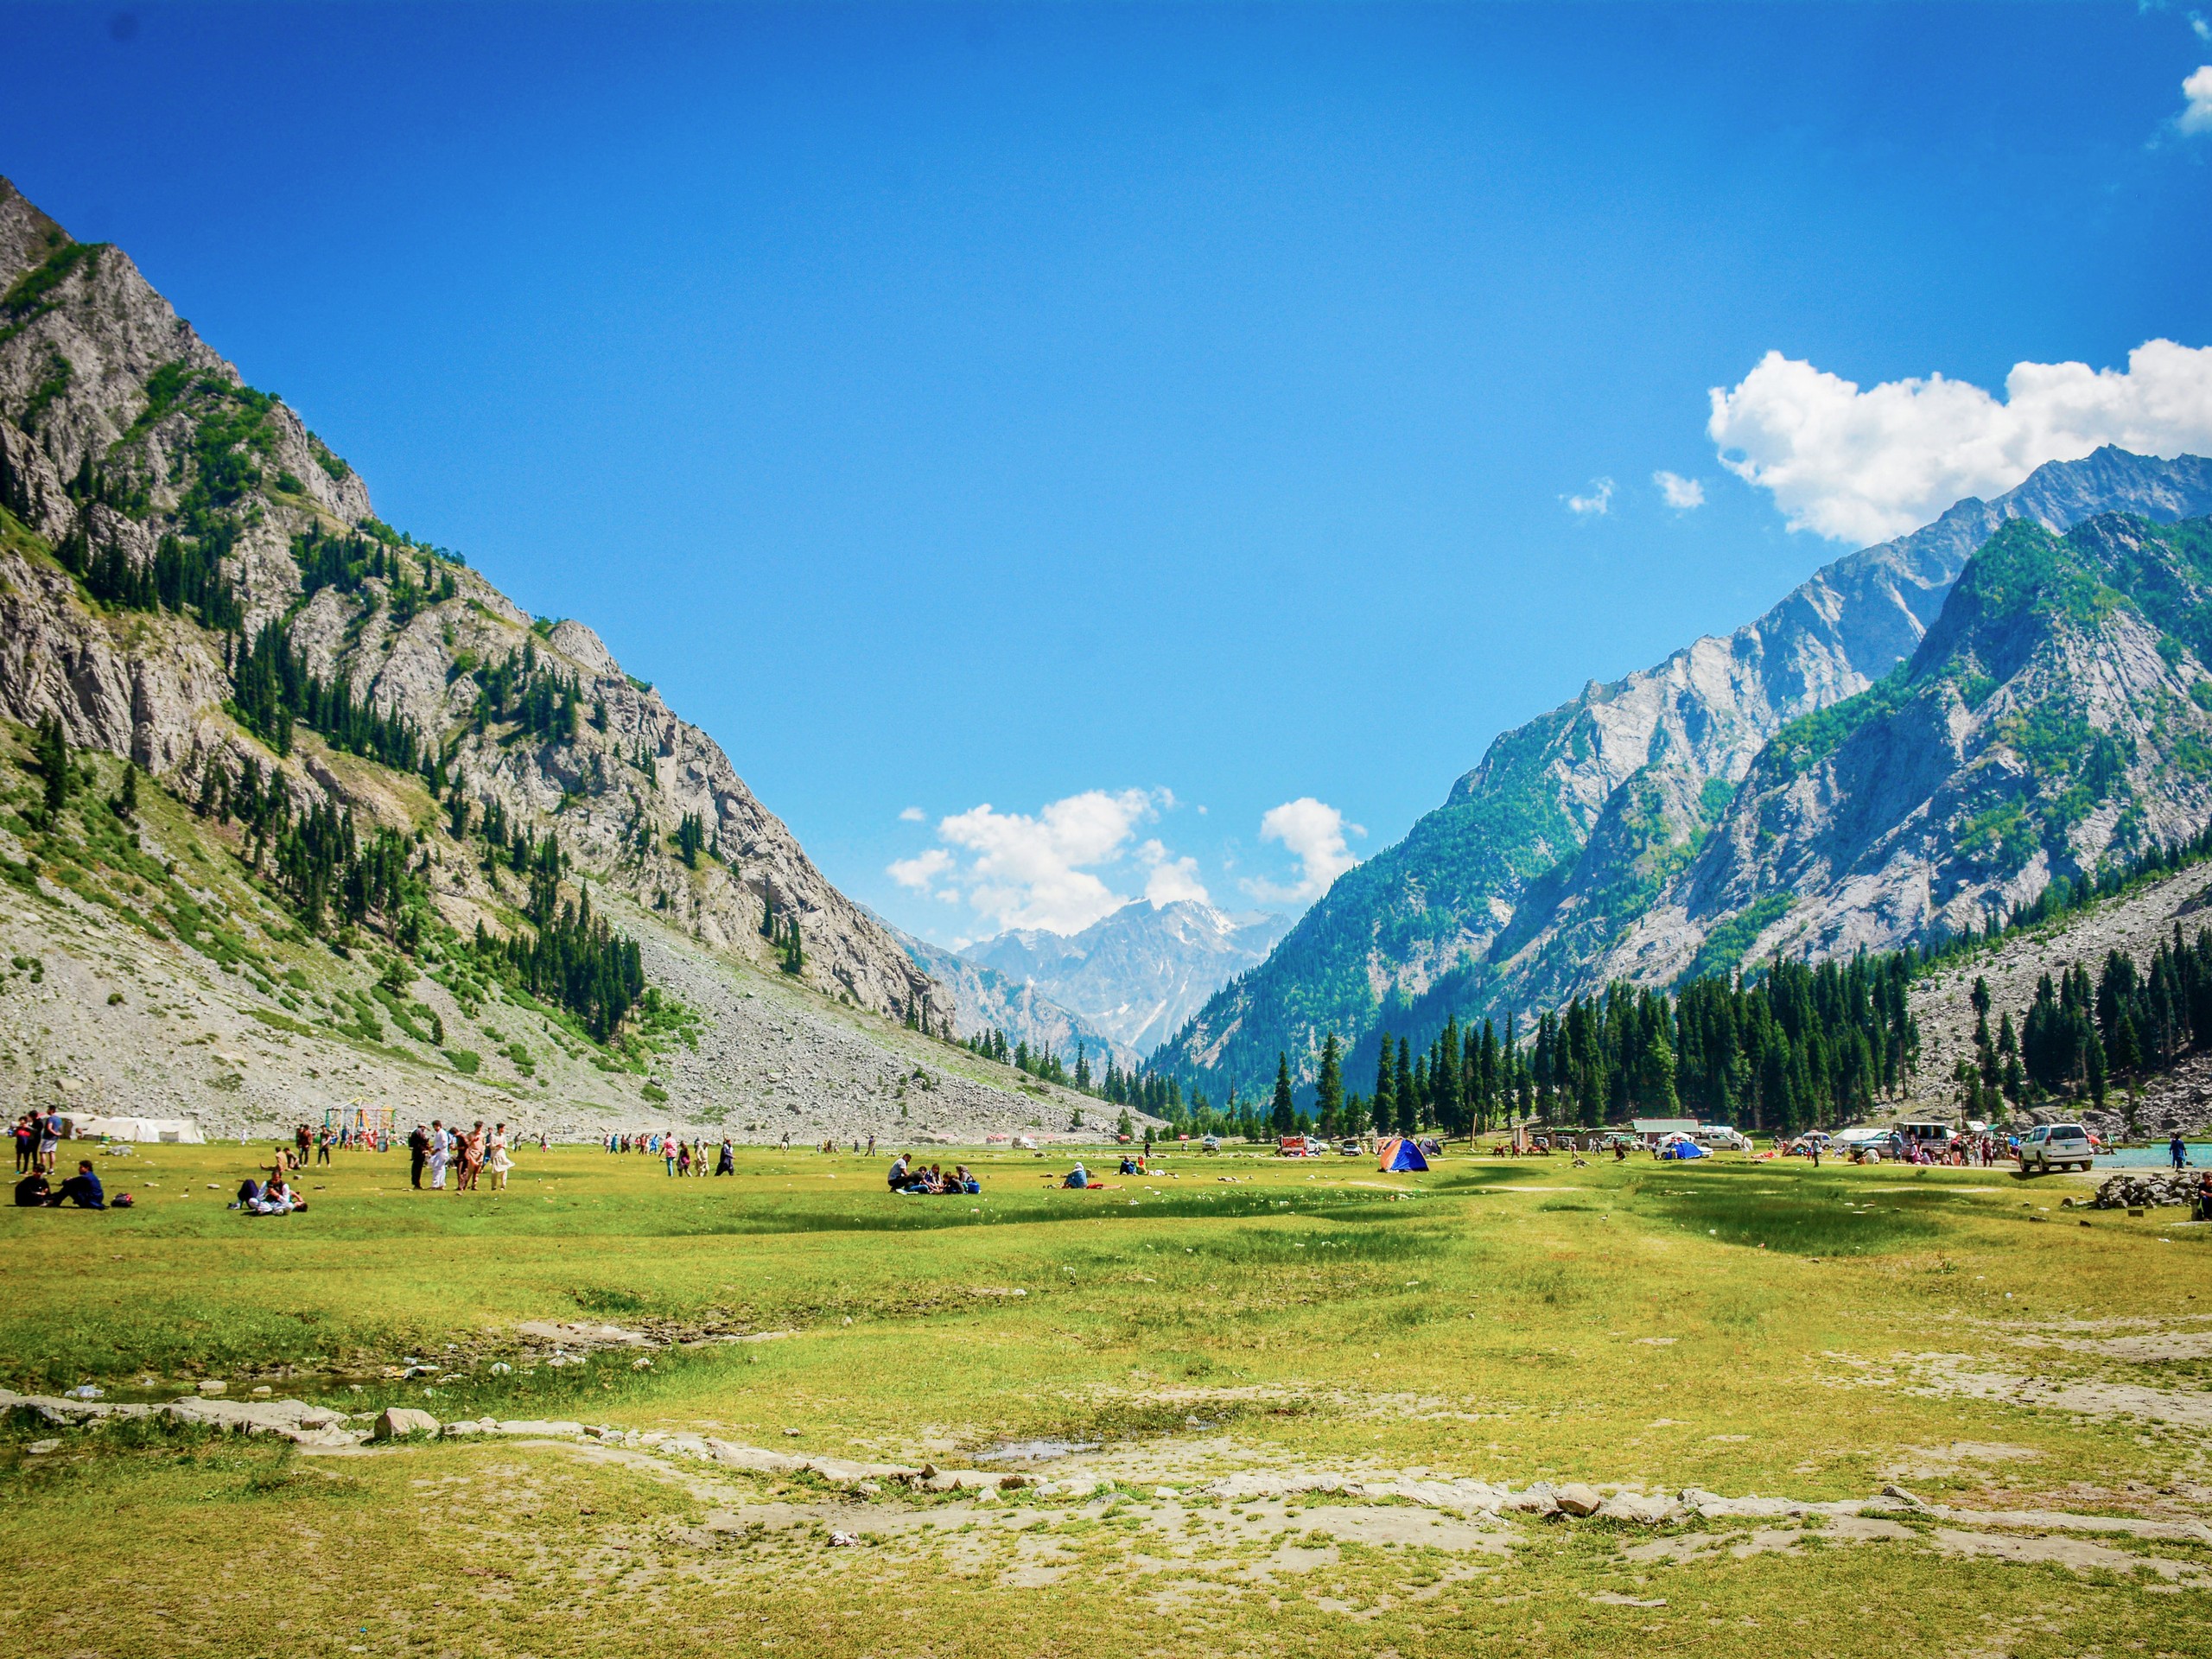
1140 973
184 569
122 427
1545 854
2056 713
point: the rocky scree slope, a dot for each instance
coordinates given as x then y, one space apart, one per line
128 449
2134 923
1573 824
145 974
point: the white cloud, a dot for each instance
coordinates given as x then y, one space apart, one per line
1599 501
2197 114
1016 870
912 815
1865 466
1314 832
1683 494
1173 879
919 872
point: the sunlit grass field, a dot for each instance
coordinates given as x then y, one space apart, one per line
1740 1327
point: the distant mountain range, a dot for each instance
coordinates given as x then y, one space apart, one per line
1142 971
987 999
1608 836
1117 987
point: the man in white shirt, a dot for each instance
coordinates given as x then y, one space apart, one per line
440 1149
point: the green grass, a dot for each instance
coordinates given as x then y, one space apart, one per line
1729 1324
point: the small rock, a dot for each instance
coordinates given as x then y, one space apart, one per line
397 1422
264 1389
213 1386
1576 1498
40 1448
843 1541
791 1432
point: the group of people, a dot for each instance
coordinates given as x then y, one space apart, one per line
689 1157
274 1197
437 1149
83 1189
38 1141
908 1177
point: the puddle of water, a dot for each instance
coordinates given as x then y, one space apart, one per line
1036 1451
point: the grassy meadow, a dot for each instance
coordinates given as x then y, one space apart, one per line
1743 1327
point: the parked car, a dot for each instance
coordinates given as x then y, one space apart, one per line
2054 1146
1351 1149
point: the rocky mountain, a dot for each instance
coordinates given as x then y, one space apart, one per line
193 583
1543 857
1140 973
2055 713
988 1001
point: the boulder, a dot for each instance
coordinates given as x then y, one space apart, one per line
1645 1508
1576 1498
397 1422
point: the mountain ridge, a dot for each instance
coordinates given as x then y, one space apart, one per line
1573 823
194 589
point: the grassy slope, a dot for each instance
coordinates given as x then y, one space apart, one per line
1499 1320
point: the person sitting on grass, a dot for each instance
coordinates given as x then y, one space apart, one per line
1077 1178
897 1178
32 1192
283 1200
963 1180
83 1189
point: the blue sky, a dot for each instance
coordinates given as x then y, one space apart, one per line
1172 414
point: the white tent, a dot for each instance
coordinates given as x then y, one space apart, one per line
180 1131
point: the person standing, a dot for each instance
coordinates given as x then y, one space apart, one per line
322 1146
2177 1150
497 1157
50 1131
440 1150
26 1143
727 1163
418 1154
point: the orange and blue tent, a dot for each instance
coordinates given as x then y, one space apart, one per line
1396 1153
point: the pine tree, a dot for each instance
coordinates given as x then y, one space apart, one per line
1386 1093
1410 1100
126 800
50 753
1283 1114
1329 1088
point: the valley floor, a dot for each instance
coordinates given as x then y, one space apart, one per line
1259 1407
